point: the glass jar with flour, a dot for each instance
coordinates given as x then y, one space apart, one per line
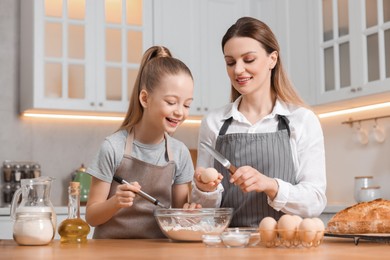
33 228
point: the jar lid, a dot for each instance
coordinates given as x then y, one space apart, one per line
371 188
364 177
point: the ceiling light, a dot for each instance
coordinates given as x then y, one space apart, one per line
90 117
354 110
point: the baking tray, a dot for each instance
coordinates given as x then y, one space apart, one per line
377 237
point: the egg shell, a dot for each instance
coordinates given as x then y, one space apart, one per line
307 230
287 226
320 228
209 175
267 229
298 220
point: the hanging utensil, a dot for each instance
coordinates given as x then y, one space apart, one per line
220 158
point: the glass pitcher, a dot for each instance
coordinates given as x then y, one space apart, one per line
35 198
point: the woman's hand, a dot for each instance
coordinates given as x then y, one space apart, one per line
206 187
125 194
249 179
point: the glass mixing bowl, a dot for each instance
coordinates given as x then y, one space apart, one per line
190 224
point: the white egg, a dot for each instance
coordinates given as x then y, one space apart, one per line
307 230
287 226
267 229
209 175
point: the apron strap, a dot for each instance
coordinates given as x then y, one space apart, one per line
129 142
284 124
225 126
170 156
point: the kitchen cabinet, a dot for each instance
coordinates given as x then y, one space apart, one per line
328 52
193 31
352 48
82 55
291 22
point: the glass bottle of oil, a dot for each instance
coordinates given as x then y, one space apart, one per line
74 229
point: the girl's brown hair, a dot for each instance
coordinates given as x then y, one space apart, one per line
259 31
157 62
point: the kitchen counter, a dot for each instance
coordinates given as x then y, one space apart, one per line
5 211
332 248
63 210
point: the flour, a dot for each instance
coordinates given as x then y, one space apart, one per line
33 229
192 233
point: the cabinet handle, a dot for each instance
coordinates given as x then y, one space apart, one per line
206 109
198 109
92 104
353 90
100 104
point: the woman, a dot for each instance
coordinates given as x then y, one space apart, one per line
266 132
143 153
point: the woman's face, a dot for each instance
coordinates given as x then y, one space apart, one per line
169 103
248 65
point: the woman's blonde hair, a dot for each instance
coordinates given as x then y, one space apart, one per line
259 31
157 62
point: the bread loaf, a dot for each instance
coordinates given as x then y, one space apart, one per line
361 218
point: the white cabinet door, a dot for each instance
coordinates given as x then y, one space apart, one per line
354 48
82 55
193 31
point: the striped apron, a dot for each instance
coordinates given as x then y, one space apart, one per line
138 221
270 154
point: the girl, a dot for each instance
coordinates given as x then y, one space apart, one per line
267 132
143 153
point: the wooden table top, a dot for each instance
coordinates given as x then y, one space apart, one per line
331 248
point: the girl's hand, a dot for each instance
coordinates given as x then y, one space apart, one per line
249 179
125 194
192 205
206 187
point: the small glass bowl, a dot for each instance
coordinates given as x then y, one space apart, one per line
254 238
211 240
233 239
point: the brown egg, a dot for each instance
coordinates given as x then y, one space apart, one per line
320 228
307 230
287 225
209 175
267 229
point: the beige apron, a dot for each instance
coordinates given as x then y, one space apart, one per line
138 220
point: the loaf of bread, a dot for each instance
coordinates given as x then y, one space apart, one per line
362 218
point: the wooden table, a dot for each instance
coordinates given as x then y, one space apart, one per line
332 248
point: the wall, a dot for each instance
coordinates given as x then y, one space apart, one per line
61 146
347 158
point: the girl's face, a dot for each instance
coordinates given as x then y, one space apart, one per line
248 65
169 103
